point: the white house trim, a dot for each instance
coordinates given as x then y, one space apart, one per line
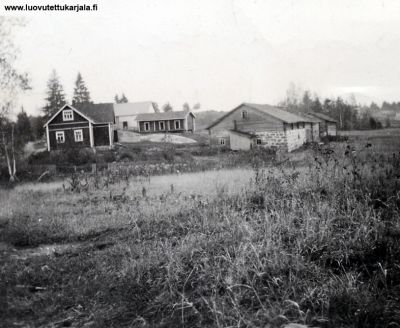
62 108
48 138
68 115
91 135
109 134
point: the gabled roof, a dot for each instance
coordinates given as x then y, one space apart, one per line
278 113
273 111
127 109
94 113
164 116
244 134
99 113
310 118
322 117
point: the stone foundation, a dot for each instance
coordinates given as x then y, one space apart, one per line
273 139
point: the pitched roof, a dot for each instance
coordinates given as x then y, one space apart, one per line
163 116
273 111
95 113
310 118
323 117
242 133
127 109
99 113
278 113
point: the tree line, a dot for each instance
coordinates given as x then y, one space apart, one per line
348 114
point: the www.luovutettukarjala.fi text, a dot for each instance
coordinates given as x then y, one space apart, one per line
76 8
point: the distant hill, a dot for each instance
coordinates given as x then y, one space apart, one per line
204 119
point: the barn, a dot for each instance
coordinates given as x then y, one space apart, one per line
89 125
257 124
180 121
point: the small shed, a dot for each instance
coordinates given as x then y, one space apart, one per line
328 125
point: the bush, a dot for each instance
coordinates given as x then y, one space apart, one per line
336 138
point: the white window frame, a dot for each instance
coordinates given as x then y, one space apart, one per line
125 125
68 115
81 135
179 124
222 141
146 124
60 140
258 141
163 125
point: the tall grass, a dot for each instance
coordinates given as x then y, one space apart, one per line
315 243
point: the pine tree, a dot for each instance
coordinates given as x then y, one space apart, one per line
316 105
167 107
23 128
81 92
123 99
186 107
55 96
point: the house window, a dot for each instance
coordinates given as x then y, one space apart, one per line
222 141
68 115
177 125
244 114
292 126
125 125
60 136
258 141
147 126
161 126
78 135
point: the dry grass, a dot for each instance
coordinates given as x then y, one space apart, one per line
313 241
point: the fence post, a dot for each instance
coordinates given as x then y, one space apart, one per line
94 168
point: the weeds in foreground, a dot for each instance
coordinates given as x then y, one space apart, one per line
317 245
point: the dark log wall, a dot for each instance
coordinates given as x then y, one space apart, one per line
59 118
69 138
101 136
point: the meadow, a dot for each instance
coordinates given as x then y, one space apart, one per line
312 240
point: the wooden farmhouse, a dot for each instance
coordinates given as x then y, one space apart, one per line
181 121
252 125
89 125
126 114
328 125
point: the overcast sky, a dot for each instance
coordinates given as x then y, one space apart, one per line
216 52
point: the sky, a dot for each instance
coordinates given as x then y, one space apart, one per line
219 53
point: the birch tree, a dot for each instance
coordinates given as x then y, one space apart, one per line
12 84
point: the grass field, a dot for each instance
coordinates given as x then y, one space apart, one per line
314 241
